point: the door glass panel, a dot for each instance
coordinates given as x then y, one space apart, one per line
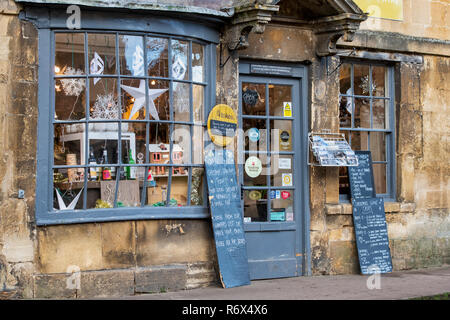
281 171
282 137
255 205
253 99
255 134
281 205
280 100
255 170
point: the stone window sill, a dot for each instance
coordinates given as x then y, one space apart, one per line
389 207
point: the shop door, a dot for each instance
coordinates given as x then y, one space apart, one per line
270 175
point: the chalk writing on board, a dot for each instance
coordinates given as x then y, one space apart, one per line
371 235
226 214
361 176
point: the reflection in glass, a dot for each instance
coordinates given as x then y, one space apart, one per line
360 140
69 54
197 145
380 115
198 62
255 205
345 111
378 146
198 103
157 57
131 55
379 81
181 107
379 173
345 79
361 80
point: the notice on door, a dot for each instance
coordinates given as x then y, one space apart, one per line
226 214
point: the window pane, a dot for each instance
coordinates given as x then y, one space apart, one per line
282 137
197 144
181 104
345 79
360 140
255 205
380 113
69 55
68 143
379 81
379 173
280 101
131 55
70 99
197 194
157 57
68 188
282 205
104 104
198 63
181 137
282 171
378 146
198 96
361 78
179 187
253 99
345 112
180 62
102 54
362 113
255 135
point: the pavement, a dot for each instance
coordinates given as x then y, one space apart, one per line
392 286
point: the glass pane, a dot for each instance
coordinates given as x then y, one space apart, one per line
361 78
104 104
70 99
362 113
68 144
198 96
345 79
379 173
197 145
131 55
255 170
378 146
181 137
198 63
68 188
159 148
282 171
102 54
181 106
197 188
255 134
253 99
345 112
69 54
344 184
180 62
280 101
179 187
379 81
134 149
360 140
255 205
380 113
282 205
157 190
282 138
157 57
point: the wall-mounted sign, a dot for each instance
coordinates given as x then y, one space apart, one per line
253 167
272 70
222 124
392 9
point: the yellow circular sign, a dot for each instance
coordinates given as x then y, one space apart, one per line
222 124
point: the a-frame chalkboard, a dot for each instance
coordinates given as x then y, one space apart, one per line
226 214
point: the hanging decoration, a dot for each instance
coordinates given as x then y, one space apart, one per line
71 206
97 66
365 84
106 107
138 62
73 86
139 95
178 69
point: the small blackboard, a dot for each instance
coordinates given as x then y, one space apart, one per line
226 213
361 177
369 220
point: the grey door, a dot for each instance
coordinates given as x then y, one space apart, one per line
272 175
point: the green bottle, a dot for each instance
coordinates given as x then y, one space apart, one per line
131 171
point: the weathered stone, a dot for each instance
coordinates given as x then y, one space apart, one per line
51 286
160 279
118 244
333 209
391 207
200 275
344 257
108 283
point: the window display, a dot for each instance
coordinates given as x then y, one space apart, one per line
128 110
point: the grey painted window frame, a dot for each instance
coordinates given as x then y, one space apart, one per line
48 21
390 195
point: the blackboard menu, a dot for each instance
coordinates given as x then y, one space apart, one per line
227 220
361 177
372 241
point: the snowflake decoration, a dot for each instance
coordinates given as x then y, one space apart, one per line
73 87
106 107
365 84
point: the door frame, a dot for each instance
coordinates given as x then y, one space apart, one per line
280 70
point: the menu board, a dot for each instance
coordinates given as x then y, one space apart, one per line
227 221
361 177
371 233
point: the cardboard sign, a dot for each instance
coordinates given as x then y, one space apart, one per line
222 125
226 213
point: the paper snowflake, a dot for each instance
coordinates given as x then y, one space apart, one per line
365 84
74 86
106 107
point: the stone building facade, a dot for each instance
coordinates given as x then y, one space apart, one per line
105 257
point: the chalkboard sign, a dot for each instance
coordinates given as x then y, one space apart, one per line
227 220
372 241
361 177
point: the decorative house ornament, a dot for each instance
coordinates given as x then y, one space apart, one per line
139 95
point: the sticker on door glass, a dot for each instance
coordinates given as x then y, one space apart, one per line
284 163
287 109
285 140
287 179
253 167
285 195
253 134
254 195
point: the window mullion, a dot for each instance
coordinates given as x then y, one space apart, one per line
86 129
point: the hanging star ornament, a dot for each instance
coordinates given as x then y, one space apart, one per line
139 95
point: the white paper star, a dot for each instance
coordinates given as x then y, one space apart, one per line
139 96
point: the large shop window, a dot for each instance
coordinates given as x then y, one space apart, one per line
366 118
127 112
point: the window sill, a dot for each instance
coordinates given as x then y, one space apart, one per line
389 207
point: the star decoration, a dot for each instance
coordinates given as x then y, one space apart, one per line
139 95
